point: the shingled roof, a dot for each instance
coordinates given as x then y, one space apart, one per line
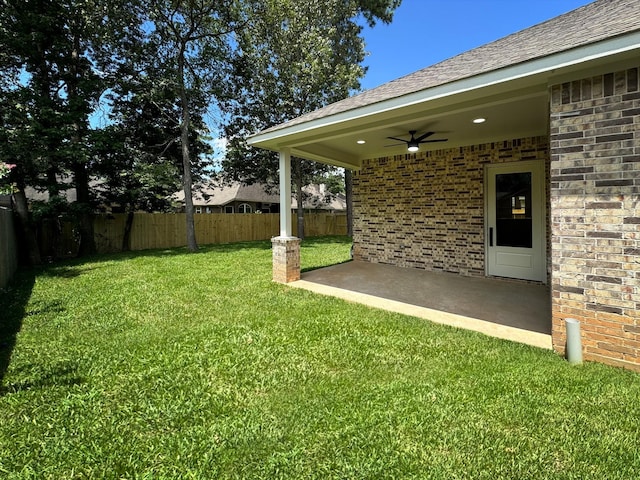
214 195
597 21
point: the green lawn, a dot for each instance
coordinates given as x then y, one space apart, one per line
165 364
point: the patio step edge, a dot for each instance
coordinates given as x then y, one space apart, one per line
504 332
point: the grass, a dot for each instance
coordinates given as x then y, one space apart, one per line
165 364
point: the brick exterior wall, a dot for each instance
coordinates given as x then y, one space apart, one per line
426 210
595 217
286 259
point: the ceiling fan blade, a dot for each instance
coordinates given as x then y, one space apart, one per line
438 140
398 139
396 144
425 135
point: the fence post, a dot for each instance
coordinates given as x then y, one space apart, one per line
8 247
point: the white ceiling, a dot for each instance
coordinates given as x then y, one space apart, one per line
508 116
516 118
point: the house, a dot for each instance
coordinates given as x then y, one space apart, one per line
255 198
68 194
538 179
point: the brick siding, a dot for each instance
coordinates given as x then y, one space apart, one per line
595 216
426 210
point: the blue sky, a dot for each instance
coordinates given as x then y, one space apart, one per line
424 32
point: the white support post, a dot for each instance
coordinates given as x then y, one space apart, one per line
285 193
286 248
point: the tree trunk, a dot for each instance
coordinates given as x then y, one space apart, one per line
29 237
84 216
51 223
49 237
348 189
192 245
85 229
128 225
297 171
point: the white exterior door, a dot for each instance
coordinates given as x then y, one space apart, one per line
515 220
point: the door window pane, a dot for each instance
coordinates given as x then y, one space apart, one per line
514 223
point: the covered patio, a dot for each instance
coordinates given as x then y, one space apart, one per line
515 311
517 159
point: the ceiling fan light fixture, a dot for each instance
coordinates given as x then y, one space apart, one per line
413 144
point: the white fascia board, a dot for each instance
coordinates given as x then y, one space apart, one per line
549 64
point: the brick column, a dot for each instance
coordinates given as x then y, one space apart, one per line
595 214
286 259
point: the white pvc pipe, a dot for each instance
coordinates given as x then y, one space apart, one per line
574 342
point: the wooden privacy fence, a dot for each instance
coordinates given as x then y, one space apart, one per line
167 230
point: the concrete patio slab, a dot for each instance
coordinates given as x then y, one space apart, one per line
505 309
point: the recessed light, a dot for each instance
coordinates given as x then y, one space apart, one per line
479 120
361 142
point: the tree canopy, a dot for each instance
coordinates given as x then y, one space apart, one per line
156 68
300 57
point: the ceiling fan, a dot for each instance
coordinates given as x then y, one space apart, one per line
413 144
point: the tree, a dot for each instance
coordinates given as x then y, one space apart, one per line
192 38
162 63
32 119
299 57
60 56
140 154
14 148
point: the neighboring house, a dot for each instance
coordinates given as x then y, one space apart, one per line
34 195
546 189
239 198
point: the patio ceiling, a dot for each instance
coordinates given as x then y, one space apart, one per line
516 116
509 113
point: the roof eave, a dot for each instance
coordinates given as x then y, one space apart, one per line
538 70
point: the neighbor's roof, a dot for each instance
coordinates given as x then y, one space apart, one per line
597 21
318 197
213 195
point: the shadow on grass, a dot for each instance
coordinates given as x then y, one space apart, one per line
62 271
13 302
313 243
66 267
57 375
318 267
